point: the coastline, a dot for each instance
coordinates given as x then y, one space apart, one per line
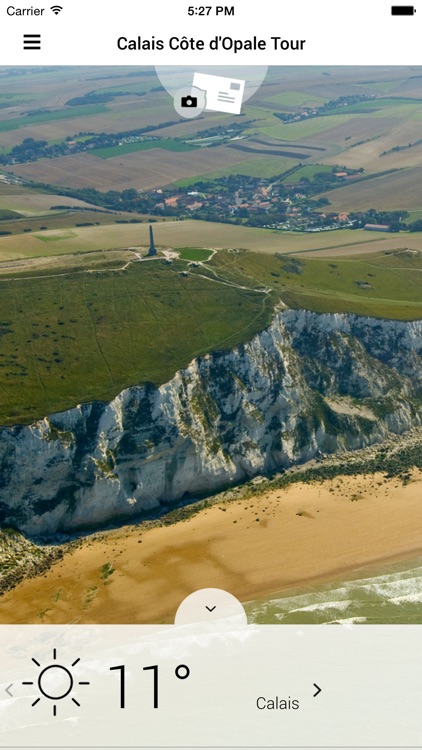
275 541
388 592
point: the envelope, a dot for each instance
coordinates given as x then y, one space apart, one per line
222 94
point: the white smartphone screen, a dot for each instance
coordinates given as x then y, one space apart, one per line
210 375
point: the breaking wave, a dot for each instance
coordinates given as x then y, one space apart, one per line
387 598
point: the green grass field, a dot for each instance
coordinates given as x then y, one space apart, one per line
386 285
7 215
12 98
60 114
57 236
413 216
140 87
255 166
168 144
66 220
309 171
397 111
194 253
386 103
295 99
305 128
84 336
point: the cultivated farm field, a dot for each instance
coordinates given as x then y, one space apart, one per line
142 170
191 233
170 234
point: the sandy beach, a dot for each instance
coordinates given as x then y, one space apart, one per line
253 547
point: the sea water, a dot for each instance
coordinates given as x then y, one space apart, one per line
392 596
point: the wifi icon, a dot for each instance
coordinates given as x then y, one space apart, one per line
56 9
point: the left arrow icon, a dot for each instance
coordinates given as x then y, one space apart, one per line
8 690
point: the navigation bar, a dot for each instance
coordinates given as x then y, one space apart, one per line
169 33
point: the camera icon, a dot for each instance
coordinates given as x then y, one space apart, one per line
189 101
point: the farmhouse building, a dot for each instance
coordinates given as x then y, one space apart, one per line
377 227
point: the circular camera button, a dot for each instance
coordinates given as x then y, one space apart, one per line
189 102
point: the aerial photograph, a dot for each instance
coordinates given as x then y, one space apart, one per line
210 346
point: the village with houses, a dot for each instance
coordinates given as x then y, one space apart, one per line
288 202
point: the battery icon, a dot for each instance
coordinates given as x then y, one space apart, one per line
402 10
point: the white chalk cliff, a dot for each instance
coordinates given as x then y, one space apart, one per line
307 384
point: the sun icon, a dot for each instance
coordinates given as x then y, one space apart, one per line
55 682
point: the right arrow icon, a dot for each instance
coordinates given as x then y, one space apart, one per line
318 690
